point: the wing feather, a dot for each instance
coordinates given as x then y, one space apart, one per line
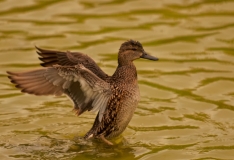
51 57
82 86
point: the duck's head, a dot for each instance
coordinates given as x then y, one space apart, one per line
132 50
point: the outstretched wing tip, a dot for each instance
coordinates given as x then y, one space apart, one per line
38 48
10 73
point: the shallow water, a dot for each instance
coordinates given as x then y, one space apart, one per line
187 98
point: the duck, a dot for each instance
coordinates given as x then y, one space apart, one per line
114 98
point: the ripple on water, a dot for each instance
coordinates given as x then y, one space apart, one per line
186 107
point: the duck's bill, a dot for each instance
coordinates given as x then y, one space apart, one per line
147 56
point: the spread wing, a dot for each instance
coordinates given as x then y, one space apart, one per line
86 90
50 58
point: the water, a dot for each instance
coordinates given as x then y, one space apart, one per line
186 109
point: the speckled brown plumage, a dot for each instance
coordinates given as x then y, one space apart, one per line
90 89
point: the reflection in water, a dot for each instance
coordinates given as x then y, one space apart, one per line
186 108
52 148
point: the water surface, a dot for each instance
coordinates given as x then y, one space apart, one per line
187 98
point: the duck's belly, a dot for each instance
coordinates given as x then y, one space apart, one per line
122 120
124 113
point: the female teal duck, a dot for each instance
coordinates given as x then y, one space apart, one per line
79 77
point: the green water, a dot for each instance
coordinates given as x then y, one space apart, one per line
187 98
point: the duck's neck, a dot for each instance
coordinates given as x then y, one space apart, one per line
126 74
123 61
